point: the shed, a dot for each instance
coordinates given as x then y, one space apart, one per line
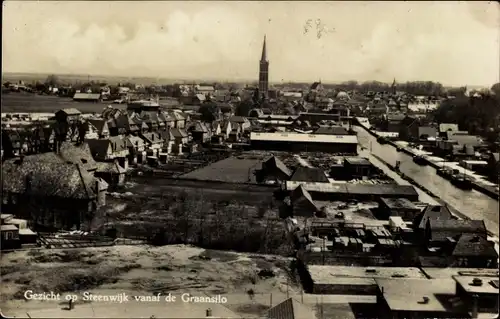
401 207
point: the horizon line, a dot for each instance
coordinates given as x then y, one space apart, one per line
226 80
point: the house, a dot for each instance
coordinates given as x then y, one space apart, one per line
464 139
302 203
111 172
180 135
154 143
101 127
227 128
240 122
355 168
69 115
204 89
137 149
179 120
43 139
200 132
151 119
273 169
401 207
427 132
108 149
430 212
440 232
474 251
169 121
309 175
87 97
316 87
394 122
9 237
51 194
13 143
290 309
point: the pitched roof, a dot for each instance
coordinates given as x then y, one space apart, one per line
432 212
274 162
152 137
118 143
99 124
70 111
471 245
167 135
199 127
238 119
443 228
177 132
177 116
315 85
110 167
134 141
309 174
99 147
290 309
51 179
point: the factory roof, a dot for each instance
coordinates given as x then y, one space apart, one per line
484 285
322 274
416 294
440 273
308 138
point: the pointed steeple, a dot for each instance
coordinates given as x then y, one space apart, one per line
264 51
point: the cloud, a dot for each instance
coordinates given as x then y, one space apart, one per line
455 43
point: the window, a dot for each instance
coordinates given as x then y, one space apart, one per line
8 235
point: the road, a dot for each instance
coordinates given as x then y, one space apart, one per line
472 204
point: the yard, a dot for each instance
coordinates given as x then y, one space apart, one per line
144 270
30 103
207 216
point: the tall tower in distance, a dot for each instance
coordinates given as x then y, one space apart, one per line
264 71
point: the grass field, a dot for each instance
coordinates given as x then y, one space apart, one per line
31 103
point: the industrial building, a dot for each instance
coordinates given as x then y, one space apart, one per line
298 142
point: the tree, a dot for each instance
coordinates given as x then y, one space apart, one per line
209 112
496 89
52 80
244 107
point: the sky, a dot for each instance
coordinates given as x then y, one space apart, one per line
455 43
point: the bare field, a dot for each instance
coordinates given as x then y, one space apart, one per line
144 270
27 102
230 170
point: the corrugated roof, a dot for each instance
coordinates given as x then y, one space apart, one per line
298 137
87 96
332 130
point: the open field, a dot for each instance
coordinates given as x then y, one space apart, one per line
230 170
27 102
143 270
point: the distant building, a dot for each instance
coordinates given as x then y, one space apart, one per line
87 97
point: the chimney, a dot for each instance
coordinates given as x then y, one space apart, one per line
21 159
477 282
209 313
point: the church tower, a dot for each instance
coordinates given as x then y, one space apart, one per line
264 71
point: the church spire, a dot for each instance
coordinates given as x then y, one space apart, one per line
264 51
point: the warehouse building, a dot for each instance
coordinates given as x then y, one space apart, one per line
298 142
